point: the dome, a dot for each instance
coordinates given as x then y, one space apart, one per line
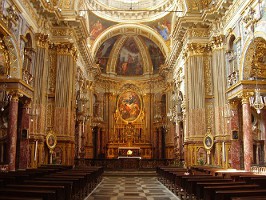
129 56
131 11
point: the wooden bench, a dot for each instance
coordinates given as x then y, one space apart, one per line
210 191
4 197
249 198
60 190
76 185
42 193
191 184
67 185
229 194
200 186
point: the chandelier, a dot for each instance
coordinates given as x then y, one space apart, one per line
256 101
175 113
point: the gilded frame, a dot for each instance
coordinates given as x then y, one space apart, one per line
129 106
208 141
51 140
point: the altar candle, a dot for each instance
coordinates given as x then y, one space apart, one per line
223 148
36 148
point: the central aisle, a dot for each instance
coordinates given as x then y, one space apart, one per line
131 186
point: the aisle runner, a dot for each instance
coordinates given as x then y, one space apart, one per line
131 188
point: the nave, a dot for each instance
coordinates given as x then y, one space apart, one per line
131 185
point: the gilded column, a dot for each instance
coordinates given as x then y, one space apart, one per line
64 89
195 75
40 84
247 132
219 83
235 143
12 132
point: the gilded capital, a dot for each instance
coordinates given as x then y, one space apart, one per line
198 49
15 95
245 97
42 40
218 41
233 104
65 49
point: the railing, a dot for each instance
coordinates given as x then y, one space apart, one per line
125 163
259 169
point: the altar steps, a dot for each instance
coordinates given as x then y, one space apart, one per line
131 173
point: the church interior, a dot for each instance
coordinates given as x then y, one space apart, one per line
133 84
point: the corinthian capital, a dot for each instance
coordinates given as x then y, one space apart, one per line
42 39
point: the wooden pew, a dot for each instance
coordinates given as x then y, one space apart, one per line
190 187
4 197
67 185
257 180
42 193
60 190
200 186
249 198
76 183
210 191
229 194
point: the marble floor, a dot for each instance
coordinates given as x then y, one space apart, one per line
122 187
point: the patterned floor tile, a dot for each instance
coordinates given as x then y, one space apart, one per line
131 188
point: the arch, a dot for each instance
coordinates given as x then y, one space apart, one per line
131 29
247 55
14 71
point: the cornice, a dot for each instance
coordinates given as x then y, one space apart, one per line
183 25
244 86
217 10
113 83
123 15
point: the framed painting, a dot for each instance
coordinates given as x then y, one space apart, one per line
208 141
129 106
51 140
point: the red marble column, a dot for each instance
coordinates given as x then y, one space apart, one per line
24 158
98 142
12 132
80 128
247 133
235 144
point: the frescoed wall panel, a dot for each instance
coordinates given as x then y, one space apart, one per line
162 26
156 55
129 61
103 53
97 25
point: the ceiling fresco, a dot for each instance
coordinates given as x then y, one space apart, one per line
128 57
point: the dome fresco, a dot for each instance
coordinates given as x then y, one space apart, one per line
129 58
131 4
127 52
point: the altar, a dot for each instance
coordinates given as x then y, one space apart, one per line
125 152
140 151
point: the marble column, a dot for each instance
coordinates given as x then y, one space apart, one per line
247 133
235 144
12 132
78 139
98 142
177 141
24 158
